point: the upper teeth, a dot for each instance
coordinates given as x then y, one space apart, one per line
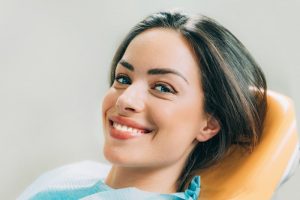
122 127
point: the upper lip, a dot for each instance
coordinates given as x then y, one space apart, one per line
128 122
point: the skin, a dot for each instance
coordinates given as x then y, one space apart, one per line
168 105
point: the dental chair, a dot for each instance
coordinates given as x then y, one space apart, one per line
257 175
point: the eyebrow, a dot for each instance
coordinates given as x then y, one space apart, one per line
126 65
154 71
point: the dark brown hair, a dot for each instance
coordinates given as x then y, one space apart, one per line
234 85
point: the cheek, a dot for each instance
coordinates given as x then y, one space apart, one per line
109 101
184 115
176 125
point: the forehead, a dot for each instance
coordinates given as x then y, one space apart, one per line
161 47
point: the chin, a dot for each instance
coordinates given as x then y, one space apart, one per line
114 157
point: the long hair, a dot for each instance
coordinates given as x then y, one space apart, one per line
233 84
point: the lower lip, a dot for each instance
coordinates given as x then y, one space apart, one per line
123 135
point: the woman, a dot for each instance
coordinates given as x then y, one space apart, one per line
183 90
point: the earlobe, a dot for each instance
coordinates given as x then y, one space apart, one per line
210 128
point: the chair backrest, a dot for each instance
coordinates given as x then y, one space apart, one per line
256 175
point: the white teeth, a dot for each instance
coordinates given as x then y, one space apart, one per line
121 127
118 126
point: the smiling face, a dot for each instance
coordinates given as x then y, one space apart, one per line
153 113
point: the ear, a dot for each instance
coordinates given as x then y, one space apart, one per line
209 129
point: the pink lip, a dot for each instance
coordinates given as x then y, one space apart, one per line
121 135
124 135
128 122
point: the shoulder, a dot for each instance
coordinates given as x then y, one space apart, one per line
76 175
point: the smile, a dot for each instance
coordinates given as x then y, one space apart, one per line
124 128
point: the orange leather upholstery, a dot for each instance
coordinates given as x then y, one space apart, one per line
256 175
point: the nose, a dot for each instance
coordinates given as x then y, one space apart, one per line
131 100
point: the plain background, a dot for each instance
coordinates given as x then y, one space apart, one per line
54 61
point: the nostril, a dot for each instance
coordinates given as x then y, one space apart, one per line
129 104
129 109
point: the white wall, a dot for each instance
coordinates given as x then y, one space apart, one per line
54 59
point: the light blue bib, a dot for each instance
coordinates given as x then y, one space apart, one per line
83 181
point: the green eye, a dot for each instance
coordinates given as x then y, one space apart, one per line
123 79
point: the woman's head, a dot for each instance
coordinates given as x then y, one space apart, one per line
218 99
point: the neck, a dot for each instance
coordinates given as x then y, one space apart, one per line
163 180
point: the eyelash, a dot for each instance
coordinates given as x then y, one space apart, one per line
164 87
119 76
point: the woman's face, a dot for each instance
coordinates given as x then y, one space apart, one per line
153 113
